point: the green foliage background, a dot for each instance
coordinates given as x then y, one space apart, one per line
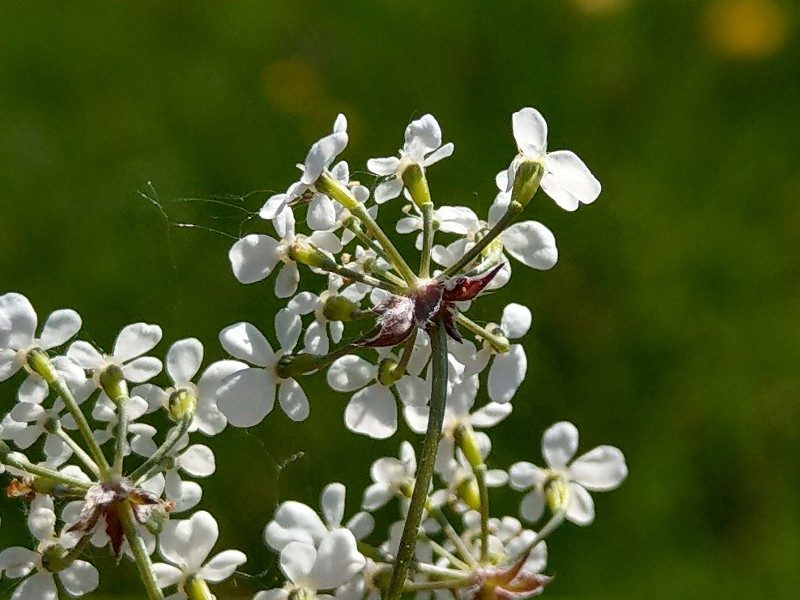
670 327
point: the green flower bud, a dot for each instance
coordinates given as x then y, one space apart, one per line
292 365
466 440
304 253
526 181
387 372
417 184
339 308
112 380
469 493
39 362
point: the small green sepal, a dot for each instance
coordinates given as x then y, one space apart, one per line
526 181
417 184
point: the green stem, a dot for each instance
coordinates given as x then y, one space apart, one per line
139 551
328 185
427 460
77 451
331 267
498 342
143 471
446 554
21 462
40 362
121 440
453 536
480 476
550 527
514 210
354 225
427 240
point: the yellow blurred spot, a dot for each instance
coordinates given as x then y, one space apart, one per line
746 28
599 7
292 86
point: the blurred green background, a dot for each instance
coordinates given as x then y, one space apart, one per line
670 327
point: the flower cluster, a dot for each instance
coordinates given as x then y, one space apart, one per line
392 335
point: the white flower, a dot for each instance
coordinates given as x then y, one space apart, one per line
248 395
133 341
423 146
297 522
187 544
18 322
566 179
309 569
372 410
507 368
390 477
321 331
599 470
255 256
77 579
461 394
321 212
447 219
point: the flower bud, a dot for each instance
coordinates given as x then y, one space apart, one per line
387 372
292 365
417 184
469 493
339 308
466 440
53 558
329 186
304 253
112 380
39 362
527 177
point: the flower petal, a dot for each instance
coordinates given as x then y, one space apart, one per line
569 181
532 244
17 321
59 327
516 320
600 469
293 400
581 506
222 565
559 443
332 503
506 373
136 339
244 341
246 397
253 257
184 358
372 412
79 578
532 506
297 560
294 522
530 132
338 560
350 373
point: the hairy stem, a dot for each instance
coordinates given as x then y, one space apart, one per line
427 460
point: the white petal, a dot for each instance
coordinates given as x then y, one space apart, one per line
456 219
59 327
372 412
274 205
184 358
253 257
84 355
198 460
17 321
8 363
532 506
559 444
417 418
338 560
287 327
516 320
413 390
188 542
569 181
79 578
532 244
524 475
600 469
166 575
297 560
386 190
141 369
581 506
491 414
321 213
33 390
422 136
316 339
408 225
284 225
383 166
246 397
332 503
530 132
506 373
246 342
294 522
39 586
325 240
439 154
350 373
361 525
322 154
303 303
222 566
376 495
287 281
293 400
136 339
186 495
17 562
